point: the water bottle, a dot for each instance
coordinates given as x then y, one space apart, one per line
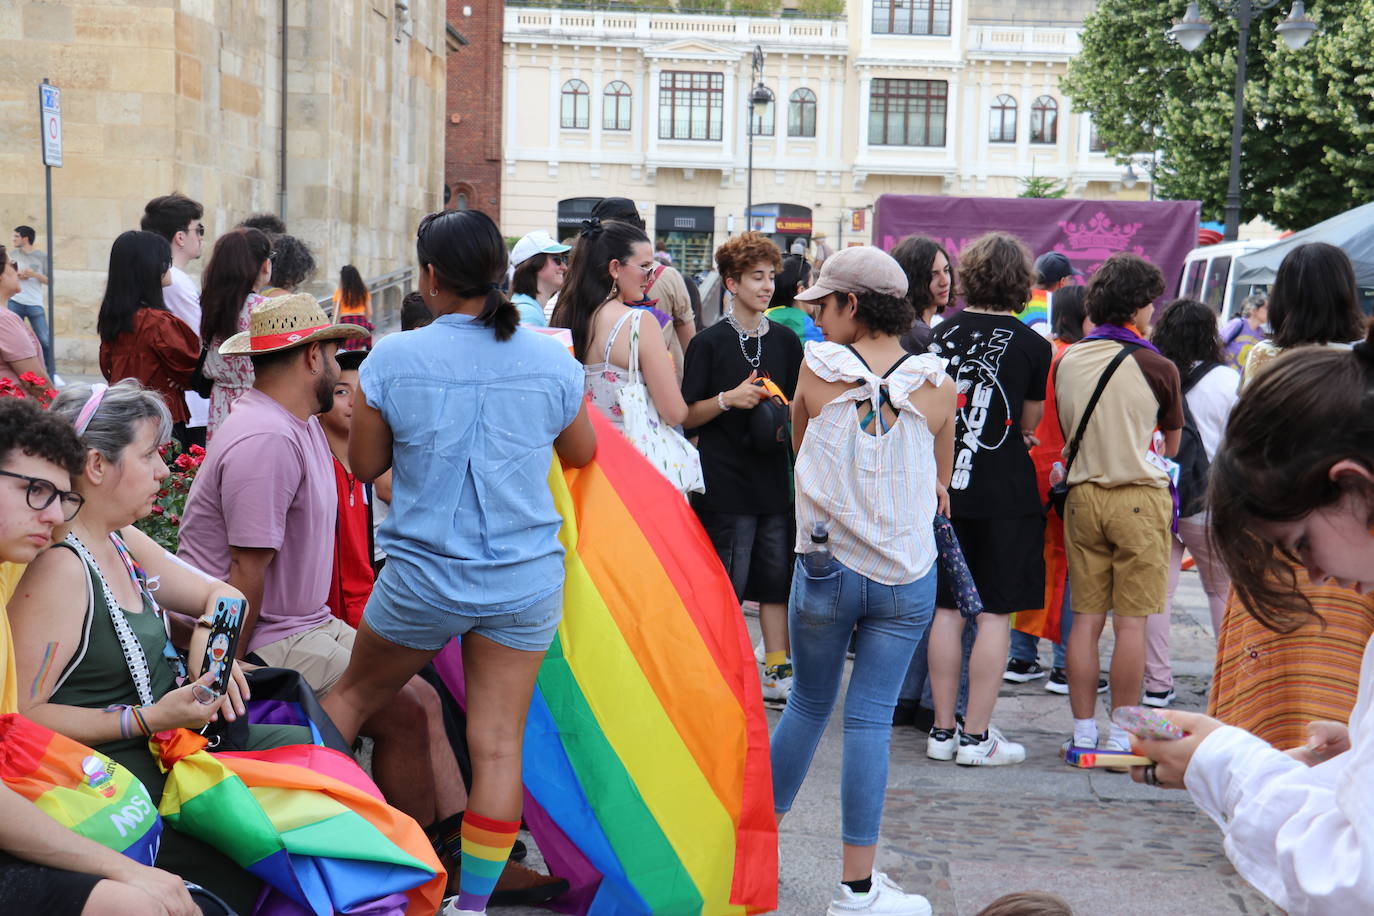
818 559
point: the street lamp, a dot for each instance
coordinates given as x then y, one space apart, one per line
1192 30
1148 162
759 98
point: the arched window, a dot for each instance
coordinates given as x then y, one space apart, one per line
615 106
801 114
1002 125
576 106
1044 125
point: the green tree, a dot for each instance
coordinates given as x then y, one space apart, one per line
1145 93
1035 186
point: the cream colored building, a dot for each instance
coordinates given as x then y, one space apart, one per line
957 97
189 95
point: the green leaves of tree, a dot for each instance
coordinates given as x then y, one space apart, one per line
1308 141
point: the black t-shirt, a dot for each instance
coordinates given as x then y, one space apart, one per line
739 478
997 363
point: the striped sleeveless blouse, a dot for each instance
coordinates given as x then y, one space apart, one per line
875 493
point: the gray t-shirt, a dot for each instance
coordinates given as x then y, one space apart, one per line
30 290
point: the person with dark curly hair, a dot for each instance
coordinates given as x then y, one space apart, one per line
745 460
1186 333
930 286
999 366
1119 511
44 867
292 265
874 431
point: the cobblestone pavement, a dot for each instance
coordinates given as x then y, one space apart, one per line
965 836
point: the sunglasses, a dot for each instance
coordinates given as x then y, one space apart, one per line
41 493
560 259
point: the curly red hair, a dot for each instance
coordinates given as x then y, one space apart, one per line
745 250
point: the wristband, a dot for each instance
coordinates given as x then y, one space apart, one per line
142 722
720 400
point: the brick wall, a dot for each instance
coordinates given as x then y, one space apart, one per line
472 151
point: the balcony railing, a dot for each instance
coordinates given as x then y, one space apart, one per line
562 22
1027 40
784 9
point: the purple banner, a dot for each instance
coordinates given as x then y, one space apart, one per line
1086 231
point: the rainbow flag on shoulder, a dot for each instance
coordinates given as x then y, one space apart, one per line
646 767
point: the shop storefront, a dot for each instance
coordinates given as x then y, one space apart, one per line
689 233
571 213
783 223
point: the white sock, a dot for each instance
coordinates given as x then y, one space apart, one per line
1085 732
1119 735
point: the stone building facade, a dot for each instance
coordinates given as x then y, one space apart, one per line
189 95
957 97
472 149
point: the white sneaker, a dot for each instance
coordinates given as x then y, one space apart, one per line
777 684
885 899
941 743
995 751
451 909
758 652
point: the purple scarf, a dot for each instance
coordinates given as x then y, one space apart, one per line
1120 334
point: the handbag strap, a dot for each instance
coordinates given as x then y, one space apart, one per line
615 332
634 346
1126 350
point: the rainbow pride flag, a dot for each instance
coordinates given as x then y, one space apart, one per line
646 765
78 787
304 819
1037 310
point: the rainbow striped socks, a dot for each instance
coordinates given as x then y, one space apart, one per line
486 848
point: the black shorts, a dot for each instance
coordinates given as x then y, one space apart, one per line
756 550
29 888
1007 559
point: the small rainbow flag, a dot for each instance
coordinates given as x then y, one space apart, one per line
304 819
79 788
646 768
1037 310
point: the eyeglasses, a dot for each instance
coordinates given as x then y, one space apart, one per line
41 494
560 259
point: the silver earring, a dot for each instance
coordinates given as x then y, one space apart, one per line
433 291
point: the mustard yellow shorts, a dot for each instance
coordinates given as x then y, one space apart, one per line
1118 542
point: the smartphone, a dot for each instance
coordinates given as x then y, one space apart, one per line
1144 722
224 640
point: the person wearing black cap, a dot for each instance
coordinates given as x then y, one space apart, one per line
1053 272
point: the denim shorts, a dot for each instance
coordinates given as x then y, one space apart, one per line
397 615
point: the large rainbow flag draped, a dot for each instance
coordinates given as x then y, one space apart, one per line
646 765
304 819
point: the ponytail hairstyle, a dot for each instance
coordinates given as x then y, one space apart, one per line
469 258
230 276
352 289
589 285
1309 409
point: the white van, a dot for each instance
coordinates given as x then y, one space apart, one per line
1207 275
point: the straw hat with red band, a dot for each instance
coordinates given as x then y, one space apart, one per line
285 322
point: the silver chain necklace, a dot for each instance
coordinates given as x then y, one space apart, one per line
744 335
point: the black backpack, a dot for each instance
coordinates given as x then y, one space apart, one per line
1193 466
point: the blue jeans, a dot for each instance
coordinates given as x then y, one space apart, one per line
821 614
1026 647
38 317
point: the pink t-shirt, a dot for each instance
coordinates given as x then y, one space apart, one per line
268 481
16 342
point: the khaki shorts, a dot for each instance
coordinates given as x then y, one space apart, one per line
320 655
1118 543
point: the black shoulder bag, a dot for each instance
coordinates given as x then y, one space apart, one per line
1060 491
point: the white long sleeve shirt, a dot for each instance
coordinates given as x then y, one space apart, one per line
1303 836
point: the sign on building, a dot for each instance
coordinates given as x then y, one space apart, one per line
50 123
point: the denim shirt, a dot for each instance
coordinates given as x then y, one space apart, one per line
472 523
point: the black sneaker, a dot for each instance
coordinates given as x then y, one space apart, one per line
1059 683
1159 699
1019 672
